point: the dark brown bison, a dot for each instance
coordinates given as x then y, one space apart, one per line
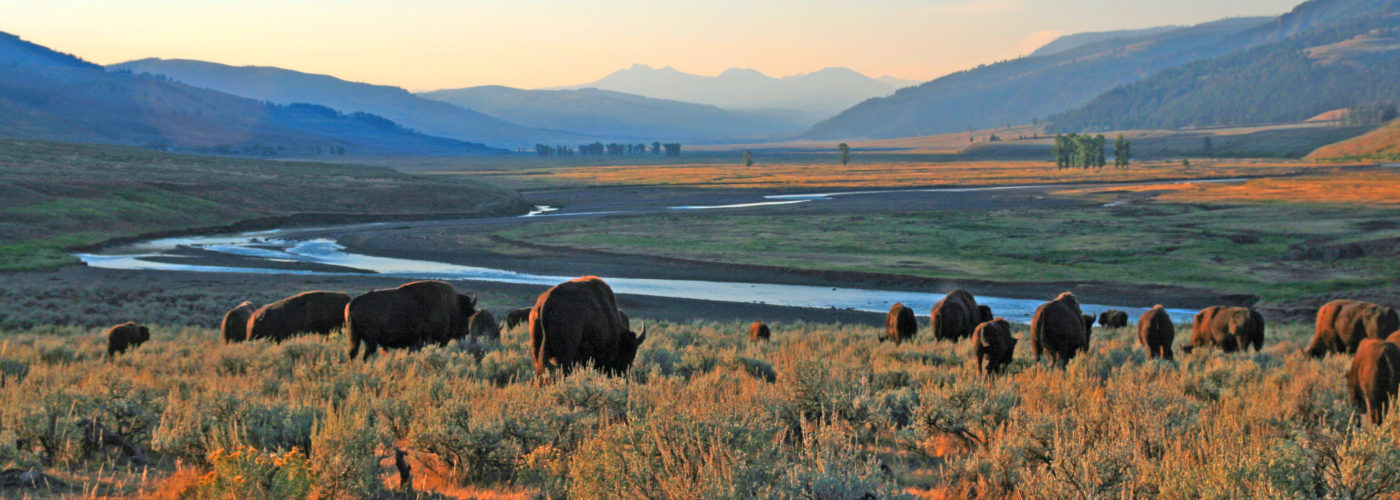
408 317
517 317
956 315
235 325
1374 377
126 336
1341 324
900 324
1058 329
1156 332
306 312
1088 321
993 345
1229 328
758 331
483 324
577 322
984 312
1113 318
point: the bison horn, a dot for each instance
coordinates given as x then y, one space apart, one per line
643 336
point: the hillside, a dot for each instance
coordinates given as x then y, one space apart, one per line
820 94
1348 64
1077 40
47 95
622 116
1381 144
284 86
1021 90
57 195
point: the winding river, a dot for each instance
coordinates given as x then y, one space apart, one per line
315 251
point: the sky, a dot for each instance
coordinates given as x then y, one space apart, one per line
434 44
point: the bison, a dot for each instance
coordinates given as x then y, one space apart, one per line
483 324
1058 329
759 332
956 315
313 312
1113 318
1374 377
126 336
985 312
1229 328
577 322
235 325
900 324
1341 324
410 316
993 345
517 317
1156 332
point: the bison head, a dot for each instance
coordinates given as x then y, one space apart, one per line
627 349
142 334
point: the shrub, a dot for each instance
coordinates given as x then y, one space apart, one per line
247 472
343 455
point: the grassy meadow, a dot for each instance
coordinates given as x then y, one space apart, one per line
822 411
55 196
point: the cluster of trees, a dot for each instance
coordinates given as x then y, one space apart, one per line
611 149
1084 151
1368 115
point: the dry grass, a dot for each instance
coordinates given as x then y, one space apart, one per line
1380 144
1367 188
876 175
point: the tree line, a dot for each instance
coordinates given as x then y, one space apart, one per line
1084 151
610 149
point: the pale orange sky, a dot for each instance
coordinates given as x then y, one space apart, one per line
431 44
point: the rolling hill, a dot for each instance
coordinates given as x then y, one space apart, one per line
1381 144
48 95
1351 63
623 116
286 86
1077 40
1021 90
820 94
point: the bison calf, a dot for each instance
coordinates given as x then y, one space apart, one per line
1374 377
900 324
993 345
517 317
1156 332
1113 318
125 336
235 325
483 325
759 332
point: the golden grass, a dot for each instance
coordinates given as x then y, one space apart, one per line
1383 143
863 175
1369 187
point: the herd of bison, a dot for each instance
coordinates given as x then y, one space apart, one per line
578 322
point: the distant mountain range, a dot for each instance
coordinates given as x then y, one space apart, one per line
819 94
286 86
1069 73
1348 63
48 95
624 116
1022 90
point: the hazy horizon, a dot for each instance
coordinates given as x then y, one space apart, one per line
431 45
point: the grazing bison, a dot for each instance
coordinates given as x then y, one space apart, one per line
758 331
955 316
125 336
1113 318
1341 324
314 312
577 322
410 316
1156 332
1058 329
517 317
900 324
483 324
993 345
1374 377
1229 328
235 325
